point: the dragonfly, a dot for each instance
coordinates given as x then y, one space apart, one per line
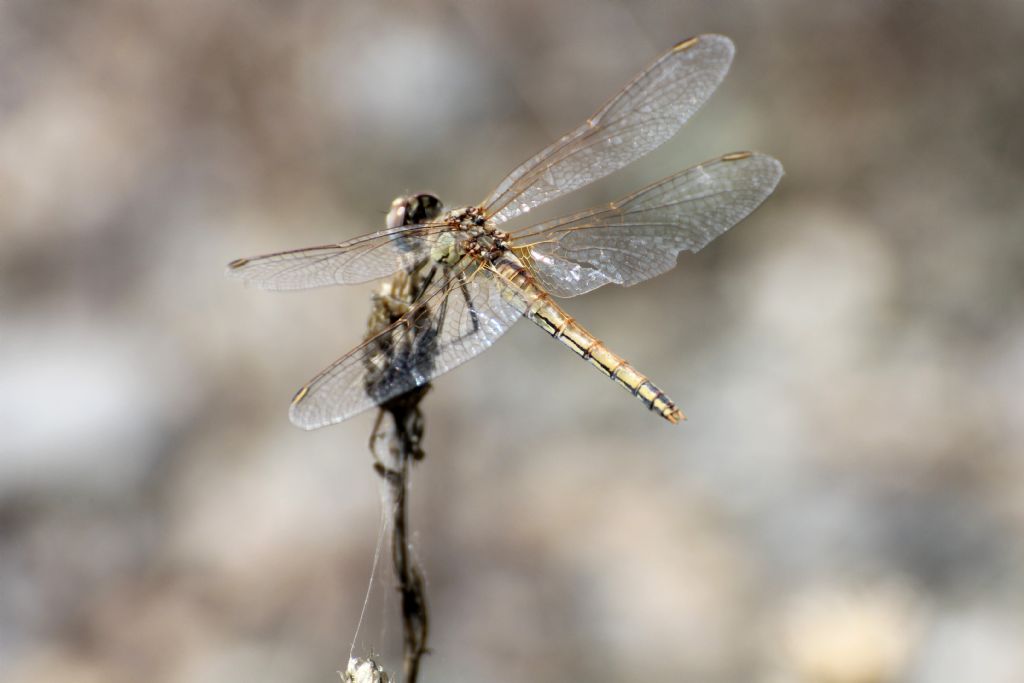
477 277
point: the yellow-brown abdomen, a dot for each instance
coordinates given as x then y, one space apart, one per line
549 316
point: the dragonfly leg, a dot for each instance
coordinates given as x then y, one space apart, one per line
474 315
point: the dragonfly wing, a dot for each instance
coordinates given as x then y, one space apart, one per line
641 235
647 112
455 320
362 259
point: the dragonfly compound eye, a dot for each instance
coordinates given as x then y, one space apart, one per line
417 208
424 207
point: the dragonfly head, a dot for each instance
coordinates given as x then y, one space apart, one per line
413 209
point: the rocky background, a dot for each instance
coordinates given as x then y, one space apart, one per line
844 505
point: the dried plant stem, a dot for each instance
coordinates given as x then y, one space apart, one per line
403 449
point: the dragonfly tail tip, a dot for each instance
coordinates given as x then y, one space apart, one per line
675 416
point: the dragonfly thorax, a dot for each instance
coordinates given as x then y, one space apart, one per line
468 233
446 249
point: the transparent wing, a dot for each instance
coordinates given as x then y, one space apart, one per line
362 259
649 111
455 320
641 235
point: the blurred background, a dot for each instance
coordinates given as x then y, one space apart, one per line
844 505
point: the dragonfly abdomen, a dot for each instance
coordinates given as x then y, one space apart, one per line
549 316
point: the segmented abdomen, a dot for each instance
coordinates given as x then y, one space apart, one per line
549 316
